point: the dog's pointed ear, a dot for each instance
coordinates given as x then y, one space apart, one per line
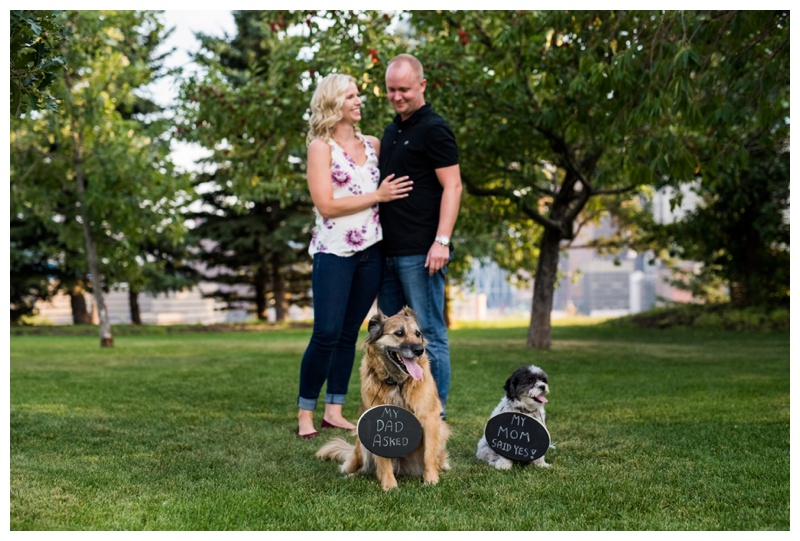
408 312
375 327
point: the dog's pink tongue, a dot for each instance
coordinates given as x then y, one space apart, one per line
543 400
413 368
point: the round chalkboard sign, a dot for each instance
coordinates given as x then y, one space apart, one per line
389 431
517 436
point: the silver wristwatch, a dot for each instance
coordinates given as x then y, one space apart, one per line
441 239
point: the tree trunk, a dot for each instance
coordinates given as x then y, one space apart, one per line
133 304
279 290
106 338
260 296
543 286
80 315
746 284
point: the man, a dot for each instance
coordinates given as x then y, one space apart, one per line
417 229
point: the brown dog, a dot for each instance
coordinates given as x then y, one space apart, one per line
396 371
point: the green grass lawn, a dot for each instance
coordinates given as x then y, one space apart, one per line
654 430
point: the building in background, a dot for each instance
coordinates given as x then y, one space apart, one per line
592 285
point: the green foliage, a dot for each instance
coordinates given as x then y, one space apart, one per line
252 255
30 273
552 105
715 316
36 58
740 230
101 160
559 115
562 116
165 266
654 430
248 107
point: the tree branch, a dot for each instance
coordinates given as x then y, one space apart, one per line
528 210
615 191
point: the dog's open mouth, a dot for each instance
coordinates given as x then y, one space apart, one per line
541 399
409 365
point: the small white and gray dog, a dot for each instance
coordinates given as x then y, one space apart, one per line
525 390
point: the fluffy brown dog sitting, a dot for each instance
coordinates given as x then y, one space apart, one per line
396 371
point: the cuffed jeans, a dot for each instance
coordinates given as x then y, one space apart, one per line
344 289
406 282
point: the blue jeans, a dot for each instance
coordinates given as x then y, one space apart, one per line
344 289
406 282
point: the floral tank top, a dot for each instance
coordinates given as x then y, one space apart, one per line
347 235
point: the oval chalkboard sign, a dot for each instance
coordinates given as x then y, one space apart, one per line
389 431
517 436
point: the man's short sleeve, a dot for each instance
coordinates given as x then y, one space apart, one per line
442 147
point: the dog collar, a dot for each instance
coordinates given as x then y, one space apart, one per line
392 383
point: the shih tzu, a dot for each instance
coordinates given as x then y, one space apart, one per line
525 393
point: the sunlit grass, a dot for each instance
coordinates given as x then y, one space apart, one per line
654 430
516 322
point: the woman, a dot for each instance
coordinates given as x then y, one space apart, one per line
344 183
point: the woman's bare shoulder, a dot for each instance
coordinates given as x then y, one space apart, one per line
318 145
318 149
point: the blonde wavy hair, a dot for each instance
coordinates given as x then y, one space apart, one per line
326 106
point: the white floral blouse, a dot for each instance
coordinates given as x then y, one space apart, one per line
347 235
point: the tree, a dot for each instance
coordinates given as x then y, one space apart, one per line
249 109
41 266
240 110
562 117
36 59
252 256
562 114
740 231
29 265
164 265
96 174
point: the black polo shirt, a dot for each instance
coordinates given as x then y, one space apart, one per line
415 147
